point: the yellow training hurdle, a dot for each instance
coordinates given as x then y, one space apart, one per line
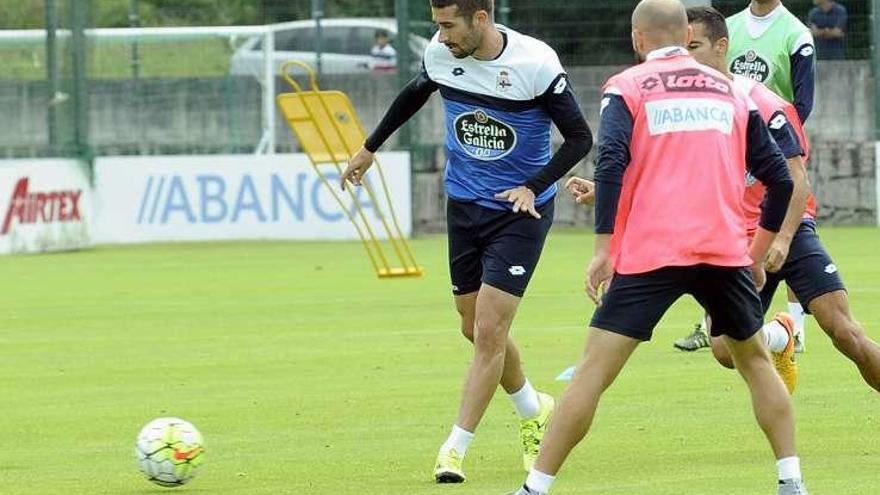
327 127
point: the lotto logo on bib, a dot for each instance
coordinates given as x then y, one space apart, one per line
693 80
751 65
484 137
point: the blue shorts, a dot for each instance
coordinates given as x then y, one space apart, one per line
634 304
809 271
496 247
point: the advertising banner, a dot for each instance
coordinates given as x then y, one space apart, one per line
45 205
225 197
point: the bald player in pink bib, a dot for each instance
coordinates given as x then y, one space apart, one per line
676 139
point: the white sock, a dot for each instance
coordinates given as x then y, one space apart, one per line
789 468
459 439
526 401
797 312
775 335
539 482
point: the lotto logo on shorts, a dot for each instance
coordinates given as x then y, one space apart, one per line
832 268
517 271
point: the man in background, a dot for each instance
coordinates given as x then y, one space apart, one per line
827 22
383 55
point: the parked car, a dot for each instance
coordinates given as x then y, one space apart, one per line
345 46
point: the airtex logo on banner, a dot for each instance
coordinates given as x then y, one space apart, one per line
40 207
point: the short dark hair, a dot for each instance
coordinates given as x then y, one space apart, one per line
381 33
711 19
466 8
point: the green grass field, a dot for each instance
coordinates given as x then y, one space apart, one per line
308 375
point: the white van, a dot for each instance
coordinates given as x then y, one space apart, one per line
345 46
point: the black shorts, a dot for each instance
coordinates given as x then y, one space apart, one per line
634 304
496 247
809 271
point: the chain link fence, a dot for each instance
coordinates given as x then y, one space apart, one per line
173 92
598 32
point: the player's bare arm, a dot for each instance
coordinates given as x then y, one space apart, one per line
778 252
615 133
781 128
758 250
600 269
767 163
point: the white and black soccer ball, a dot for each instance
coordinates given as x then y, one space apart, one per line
169 451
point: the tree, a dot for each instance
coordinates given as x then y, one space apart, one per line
21 14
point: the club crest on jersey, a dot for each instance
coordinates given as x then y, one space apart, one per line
751 65
484 137
503 81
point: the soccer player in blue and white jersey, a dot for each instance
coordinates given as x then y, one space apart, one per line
501 90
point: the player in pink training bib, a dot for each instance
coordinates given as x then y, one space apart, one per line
676 140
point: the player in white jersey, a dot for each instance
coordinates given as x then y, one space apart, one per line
502 92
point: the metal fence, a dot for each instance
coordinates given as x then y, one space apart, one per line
180 93
596 32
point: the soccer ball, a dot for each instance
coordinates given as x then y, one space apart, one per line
169 451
